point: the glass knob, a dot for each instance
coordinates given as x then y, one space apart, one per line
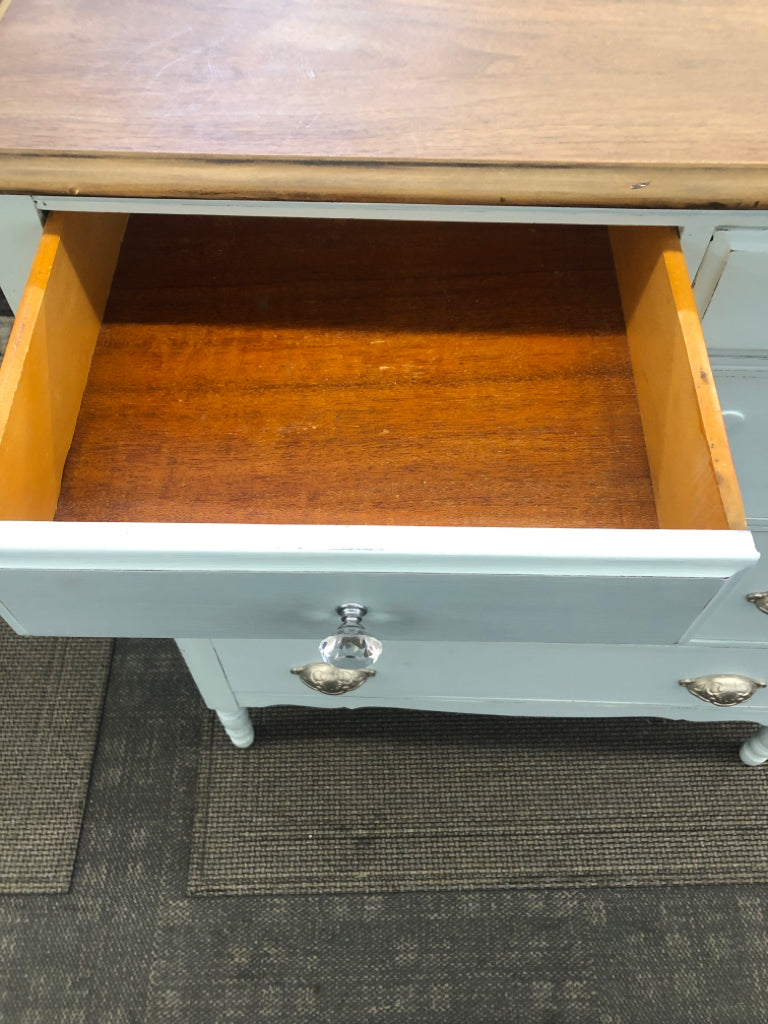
350 646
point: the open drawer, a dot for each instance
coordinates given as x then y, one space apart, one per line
492 432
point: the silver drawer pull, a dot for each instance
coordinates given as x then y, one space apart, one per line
331 680
723 690
760 601
347 654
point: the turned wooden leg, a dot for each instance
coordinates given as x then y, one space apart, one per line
208 674
239 728
755 749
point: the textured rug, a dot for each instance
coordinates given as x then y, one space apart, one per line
6 323
389 800
127 944
51 693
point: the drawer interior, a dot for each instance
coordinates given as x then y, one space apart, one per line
259 370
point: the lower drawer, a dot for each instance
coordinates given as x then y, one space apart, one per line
554 679
743 388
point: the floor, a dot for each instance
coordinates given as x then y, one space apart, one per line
127 943
6 323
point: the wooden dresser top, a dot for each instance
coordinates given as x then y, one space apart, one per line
560 102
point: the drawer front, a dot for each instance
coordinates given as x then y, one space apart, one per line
433 568
432 606
106 579
510 678
743 388
733 618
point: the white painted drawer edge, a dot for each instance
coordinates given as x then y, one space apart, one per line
682 554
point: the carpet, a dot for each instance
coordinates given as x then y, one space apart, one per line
127 944
51 693
385 800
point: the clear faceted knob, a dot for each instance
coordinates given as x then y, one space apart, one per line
350 646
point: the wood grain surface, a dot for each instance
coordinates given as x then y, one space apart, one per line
295 371
694 479
620 102
45 369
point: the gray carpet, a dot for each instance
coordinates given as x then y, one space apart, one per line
6 323
382 800
51 694
127 944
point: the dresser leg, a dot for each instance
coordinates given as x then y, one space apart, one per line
755 749
239 728
211 680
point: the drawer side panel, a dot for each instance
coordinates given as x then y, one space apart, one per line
45 368
694 480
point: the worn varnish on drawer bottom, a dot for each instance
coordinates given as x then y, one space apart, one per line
293 371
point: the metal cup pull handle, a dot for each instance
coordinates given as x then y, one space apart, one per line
331 680
760 601
723 690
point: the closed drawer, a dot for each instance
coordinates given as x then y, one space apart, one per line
735 619
506 429
540 679
730 291
742 384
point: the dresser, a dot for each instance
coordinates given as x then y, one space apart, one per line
427 324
